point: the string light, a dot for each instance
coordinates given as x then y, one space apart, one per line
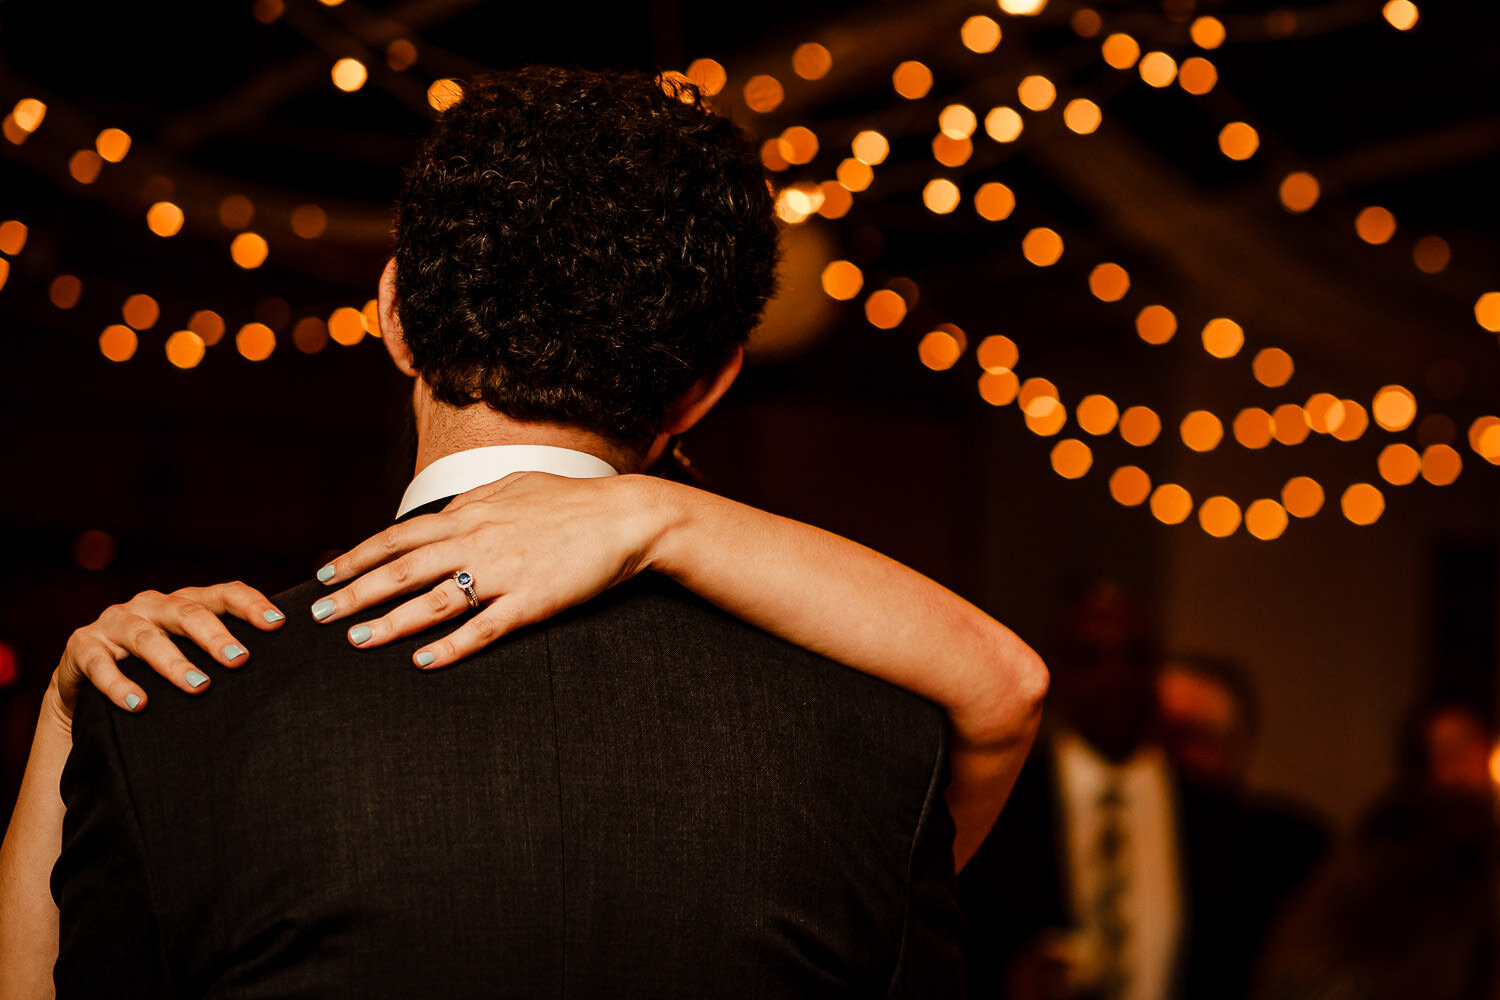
1207 32
812 61
1042 246
1036 93
912 80
1003 124
994 201
349 74
885 309
763 93
1238 141
708 75
1129 485
980 34
1155 324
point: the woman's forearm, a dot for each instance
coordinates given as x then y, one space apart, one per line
853 605
28 916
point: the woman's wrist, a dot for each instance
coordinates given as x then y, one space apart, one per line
659 511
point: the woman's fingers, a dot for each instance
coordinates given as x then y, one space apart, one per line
238 599
94 662
502 617
387 545
443 602
427 566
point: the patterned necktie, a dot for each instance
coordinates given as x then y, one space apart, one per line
1110 851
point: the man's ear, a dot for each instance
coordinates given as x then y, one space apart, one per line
701 396
390 323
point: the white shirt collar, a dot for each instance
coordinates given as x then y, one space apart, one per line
464 470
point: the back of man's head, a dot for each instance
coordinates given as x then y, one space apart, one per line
581 247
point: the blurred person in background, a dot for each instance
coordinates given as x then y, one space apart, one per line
1112 875
1408 906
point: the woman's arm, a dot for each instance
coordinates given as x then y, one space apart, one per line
536 544
28 916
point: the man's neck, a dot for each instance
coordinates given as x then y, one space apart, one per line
446 430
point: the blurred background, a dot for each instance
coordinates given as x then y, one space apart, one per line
1198 296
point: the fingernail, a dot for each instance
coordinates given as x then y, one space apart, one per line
195 679
322 609
272 616
132 701
233 651
326 573
425 658
359 634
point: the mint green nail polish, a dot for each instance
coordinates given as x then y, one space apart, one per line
195 679
272 616
424 659
322 609
359 634
233 651
132 701
326 573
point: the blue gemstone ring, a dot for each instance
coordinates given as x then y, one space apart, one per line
465 581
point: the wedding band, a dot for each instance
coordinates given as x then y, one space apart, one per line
465 581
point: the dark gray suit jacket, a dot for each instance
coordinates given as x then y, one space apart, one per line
643 797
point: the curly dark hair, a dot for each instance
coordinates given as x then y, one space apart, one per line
580 247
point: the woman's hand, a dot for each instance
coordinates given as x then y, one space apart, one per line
534 544
142 627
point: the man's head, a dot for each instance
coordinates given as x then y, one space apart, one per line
1209 718
1104 670
580 248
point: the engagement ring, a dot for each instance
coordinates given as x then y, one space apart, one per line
465 581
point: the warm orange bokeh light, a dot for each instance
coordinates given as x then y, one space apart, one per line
309 221
941 348
255 341
1302 496
1265 519
1299 191
1197 75
1086 22
980 34
1207 32
707 75
13 235
185 349
957 121
112 144
207 324
1036 92
940 196
1038 397
1325 412
812 61
870 147
763 93
1130 485
1375 225
28 114
1487 311
997 354
1097 414
1394 408
249 250
400 55
836 200
854 175
444 93
1400 14
1053 416
842 280
1223 338
1109 282
912 80
1219 516
1082 116
346 326
1071 458
1431 254
1003 124
998 388
1042 247
798 144
164 219
118 343
1356 421
1484 438
64 291
349 74
1201 430
85 165
951 152
1158 69
1253 427
1238 141
1399 464
236 211
1171 504
1155 324
994 201
1441 464
1363 504
885 309
1290 422
1272 367
1120 51
1139 426
140 311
